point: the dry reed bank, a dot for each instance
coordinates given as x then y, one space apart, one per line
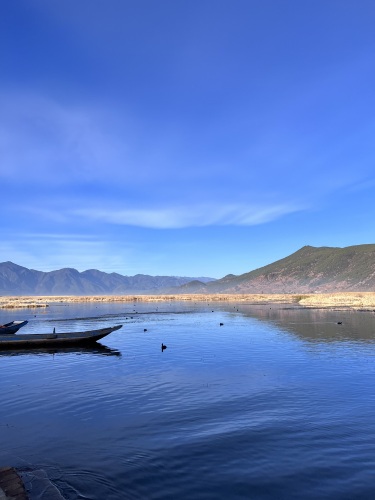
350 300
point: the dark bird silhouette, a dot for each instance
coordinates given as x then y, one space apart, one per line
163 346
145 329
339 322
221 324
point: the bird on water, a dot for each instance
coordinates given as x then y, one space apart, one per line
163 347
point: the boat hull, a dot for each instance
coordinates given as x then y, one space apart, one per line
12 327
55 339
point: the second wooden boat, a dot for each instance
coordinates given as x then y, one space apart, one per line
55 339
12 327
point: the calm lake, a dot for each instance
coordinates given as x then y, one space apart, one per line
277 403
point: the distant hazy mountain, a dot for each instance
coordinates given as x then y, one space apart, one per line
18 280
310 269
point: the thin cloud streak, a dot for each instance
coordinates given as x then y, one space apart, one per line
184 217
60 144
69 145
56 253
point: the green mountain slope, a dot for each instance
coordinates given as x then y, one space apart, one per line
310 269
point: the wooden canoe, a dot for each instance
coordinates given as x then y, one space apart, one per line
12 327
55 339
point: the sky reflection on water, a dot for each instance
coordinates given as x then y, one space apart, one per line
276 403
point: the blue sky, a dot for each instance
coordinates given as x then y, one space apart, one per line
184 137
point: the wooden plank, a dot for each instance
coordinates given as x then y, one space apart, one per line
11 484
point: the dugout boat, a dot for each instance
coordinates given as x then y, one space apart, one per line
12 327
55 339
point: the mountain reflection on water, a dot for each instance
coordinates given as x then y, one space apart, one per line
249 401
317 325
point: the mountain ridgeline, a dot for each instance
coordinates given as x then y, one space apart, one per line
18 280
310 269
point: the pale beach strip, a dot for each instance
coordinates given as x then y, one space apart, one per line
342 300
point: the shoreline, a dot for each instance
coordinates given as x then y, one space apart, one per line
341 300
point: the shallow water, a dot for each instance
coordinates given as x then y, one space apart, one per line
276 403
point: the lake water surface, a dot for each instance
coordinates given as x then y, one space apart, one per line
277 403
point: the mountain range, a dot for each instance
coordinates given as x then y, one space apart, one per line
310 269
18 280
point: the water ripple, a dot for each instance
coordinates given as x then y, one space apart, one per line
272 401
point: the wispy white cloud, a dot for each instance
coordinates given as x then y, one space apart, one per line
49 251
47 142
66 237
190 216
